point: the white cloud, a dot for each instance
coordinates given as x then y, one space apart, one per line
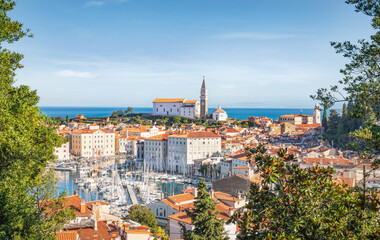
94 3
254 36
71 73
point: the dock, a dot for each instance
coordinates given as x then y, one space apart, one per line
64 169
132 194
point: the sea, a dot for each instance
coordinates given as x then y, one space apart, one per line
238 113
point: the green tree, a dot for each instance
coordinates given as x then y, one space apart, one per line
332 126
67 119
324 118
26 147
160 234
360 85
143 215
176 120
204 218
297 203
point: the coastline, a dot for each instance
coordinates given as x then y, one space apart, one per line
238 113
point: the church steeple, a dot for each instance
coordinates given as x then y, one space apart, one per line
204 83
204 103
316 114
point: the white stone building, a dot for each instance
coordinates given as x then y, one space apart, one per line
219 114
62 152
143 131
176 107
296 119
156 152
92 143
184 148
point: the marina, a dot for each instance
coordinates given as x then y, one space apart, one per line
109 180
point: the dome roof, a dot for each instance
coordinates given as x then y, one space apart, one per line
219 110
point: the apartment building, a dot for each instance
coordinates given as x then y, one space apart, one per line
184 148
92 143
156 152
296 119
62 152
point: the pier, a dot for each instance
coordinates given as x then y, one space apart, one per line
132 194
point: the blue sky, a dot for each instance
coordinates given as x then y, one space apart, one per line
127 52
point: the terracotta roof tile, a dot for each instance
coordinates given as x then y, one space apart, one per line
181 198
197 135
169 100
66 235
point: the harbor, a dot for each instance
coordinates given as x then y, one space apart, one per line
110 180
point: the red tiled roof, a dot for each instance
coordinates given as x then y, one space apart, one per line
197 135
66 235
176 207
309 125
327 161
159 137
241 167
142 227
169 100
226 197
181 198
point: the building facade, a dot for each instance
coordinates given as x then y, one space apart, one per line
183 149
156 152
62 152
176 107
92 143
296 119
219 114
183 107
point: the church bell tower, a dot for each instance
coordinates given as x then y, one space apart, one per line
204 105
316 114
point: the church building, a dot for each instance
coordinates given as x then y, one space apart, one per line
183 107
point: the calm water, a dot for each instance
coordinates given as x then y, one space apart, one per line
238 113
66 183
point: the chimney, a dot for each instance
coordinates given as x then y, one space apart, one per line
230 211
239 195
82 207
95 236
96 226
126 227
212 194
195 192
75 192
337 161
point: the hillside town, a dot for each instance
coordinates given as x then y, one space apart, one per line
108 132
184 153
